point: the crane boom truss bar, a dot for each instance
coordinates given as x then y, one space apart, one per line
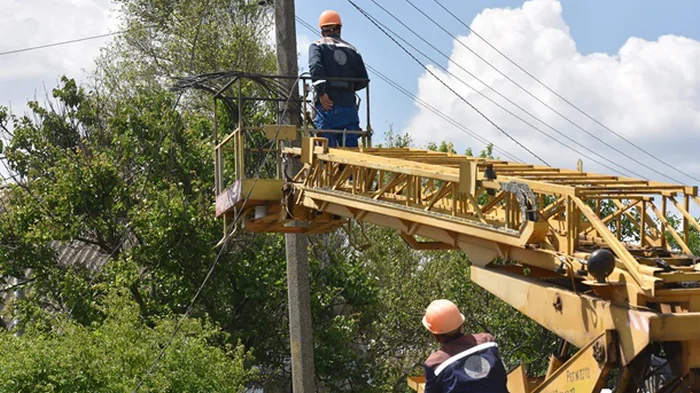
539 219
510 218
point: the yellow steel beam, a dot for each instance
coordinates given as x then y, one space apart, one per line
648 222
393 182
670 229
477 210
437 172
585 372
441 193
269 190
314 197
493 202
631 265
685 213
536 186
674 327
517 380
227 139
615 214
416 383
554 209
344 175
579 319
416 245
395 165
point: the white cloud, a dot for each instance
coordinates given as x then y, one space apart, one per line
649 92
37 22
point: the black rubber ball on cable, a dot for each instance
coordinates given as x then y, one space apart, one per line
601 264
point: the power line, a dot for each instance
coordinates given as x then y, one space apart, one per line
424 104
446 85
491 65
559 95
501 95
534 96
20 50
439 113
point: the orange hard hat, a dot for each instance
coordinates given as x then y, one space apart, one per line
329 18
442 316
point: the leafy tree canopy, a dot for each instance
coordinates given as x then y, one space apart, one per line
112 356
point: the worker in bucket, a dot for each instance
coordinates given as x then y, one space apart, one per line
334 101
464 363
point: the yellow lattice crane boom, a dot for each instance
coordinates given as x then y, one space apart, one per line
538 238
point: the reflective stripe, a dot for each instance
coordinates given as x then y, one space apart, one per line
318 82
338 43
464 354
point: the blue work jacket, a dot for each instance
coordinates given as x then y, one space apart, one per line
330 56
466 366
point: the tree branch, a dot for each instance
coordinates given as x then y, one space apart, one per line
15 286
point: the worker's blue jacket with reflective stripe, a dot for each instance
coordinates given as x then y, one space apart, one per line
330 56
478 369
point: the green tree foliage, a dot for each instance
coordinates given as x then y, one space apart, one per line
114 355
392 139
176 38
107 181
101 174
443 147
486 153
693 235
125 166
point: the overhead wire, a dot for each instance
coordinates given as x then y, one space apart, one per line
448 86
426 105
93 37
398 36
440 114
422 103
577 108
534 96
228 236
488 63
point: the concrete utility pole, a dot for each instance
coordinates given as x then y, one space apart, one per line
300 332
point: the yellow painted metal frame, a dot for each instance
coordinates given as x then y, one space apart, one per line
546 219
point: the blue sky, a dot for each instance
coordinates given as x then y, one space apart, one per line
646 88
595 25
